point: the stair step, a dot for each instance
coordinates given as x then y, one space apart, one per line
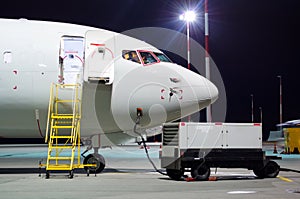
61 136
62 147
59 158
59 167
64 116
62 127
63 101
63 122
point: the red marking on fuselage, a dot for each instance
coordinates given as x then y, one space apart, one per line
94 44
76 57
218 123
71 52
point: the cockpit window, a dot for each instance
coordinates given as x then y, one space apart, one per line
147 57
131 56
162 57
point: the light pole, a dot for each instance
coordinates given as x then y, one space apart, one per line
188 16
207 63
280 103
261 114
280 99
252 109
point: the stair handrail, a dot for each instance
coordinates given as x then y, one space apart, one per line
76 104
74 99
50 110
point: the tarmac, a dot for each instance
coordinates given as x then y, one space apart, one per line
128 174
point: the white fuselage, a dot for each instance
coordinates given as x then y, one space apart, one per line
35 54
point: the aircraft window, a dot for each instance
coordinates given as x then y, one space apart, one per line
131 56
147 57
7 57
162 57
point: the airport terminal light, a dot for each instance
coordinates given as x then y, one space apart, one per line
188 16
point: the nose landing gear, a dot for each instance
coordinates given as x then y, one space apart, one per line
94 159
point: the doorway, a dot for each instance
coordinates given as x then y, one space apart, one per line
71 60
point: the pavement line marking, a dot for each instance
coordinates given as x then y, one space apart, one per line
285 179
241 192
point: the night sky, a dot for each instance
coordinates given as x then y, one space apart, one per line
251 42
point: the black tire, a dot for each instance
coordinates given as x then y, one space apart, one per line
200 172
71 174
47 174
271 169
95 159
260 173
175 174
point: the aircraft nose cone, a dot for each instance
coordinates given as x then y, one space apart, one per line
198 92
212 90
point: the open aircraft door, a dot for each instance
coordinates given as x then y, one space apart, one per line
99 56
71 60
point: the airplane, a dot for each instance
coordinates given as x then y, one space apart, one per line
291 123
120 75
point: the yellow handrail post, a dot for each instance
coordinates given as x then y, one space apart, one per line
50 107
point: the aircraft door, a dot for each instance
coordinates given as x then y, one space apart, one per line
71 60
99 56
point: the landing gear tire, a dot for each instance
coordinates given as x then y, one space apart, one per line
200 172
175 174
94 159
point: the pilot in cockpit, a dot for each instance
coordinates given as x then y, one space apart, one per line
131 56
134 57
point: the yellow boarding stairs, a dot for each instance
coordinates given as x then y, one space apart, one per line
64 136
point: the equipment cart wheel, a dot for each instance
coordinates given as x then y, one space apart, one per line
271 170
47 174
200 172
71 174
87 172
259 173
94 159
175 174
